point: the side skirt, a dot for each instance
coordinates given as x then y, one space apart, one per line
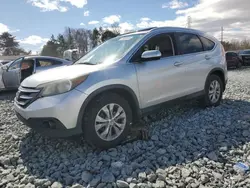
155 108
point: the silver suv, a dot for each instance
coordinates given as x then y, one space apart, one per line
103 94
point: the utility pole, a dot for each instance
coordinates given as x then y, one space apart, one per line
222 33
189 21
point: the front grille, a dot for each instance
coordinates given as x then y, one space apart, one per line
26 96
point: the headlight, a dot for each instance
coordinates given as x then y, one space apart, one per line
61 86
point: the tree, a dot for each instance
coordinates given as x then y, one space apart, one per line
8 44
95 37
226 45
116 28
51 48
62 44
236 45
245 44
108 35
69 38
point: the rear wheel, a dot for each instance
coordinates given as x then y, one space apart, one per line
107 121
213 91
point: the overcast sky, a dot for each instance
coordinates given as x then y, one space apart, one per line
33 21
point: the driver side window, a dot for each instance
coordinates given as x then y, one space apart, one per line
161 42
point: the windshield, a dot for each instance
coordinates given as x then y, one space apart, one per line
111 50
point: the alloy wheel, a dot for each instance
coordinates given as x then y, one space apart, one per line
110 122
214 91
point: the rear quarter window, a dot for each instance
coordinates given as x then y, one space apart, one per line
207 44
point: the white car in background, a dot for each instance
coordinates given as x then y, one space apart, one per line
14 72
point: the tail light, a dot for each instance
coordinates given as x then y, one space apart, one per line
223 53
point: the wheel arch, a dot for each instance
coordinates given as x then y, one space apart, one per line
219 72
122 90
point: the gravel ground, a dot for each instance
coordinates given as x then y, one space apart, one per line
189 147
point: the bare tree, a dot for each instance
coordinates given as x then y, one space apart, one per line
82 40
116 28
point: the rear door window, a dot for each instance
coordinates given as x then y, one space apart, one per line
207 44
188 43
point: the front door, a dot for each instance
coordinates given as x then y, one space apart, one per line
158 80
12 76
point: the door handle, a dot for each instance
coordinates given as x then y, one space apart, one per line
207 57
177 64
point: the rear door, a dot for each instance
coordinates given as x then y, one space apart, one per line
46 63
12 76
195 56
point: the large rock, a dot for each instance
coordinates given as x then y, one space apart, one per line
212 156
95 181
185 172
108 177
86 176
117 164
56 185
122 184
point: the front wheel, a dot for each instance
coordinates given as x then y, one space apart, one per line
213 91
107 121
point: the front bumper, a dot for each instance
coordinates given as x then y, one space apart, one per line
49 127
54 116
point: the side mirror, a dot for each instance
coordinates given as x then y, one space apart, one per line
151 55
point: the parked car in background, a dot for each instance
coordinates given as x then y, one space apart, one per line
233 60
106 91
14 72
245 56
71 55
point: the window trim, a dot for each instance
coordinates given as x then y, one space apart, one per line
149 38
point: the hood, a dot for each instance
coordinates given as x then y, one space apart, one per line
59 73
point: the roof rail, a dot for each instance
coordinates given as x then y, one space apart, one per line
146 29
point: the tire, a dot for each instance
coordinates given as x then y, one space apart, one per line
239 65
90 123
206 101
